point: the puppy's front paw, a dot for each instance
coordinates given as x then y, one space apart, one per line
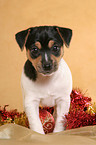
37 129
59 127
58 130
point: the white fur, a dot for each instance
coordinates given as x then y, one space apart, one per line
47 91
46 57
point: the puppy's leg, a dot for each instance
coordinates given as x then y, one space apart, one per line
32 112
62 109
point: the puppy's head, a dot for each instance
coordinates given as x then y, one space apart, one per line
44 46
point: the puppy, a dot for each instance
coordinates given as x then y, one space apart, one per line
46 78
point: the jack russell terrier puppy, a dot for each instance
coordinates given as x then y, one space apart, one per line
46 78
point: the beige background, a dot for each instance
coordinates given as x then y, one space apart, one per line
16 15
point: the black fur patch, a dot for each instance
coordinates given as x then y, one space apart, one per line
30 71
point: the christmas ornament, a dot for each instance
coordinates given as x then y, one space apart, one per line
47 121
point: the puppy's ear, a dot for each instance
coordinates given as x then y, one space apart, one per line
65 34
21 38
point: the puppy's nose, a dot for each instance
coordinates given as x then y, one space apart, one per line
47 66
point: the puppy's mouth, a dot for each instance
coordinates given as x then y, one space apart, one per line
47 73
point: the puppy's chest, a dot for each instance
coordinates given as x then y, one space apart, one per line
48 87
48 92
47 95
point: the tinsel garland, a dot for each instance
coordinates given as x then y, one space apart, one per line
13 116
82 113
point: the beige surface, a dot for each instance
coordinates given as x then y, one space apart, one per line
18 135
16 15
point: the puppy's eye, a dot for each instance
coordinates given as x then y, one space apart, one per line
34 52
55 49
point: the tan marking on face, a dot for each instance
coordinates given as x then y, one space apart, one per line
36 61
50 44
38 44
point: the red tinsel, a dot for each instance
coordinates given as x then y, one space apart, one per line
79 100
8 114
78 115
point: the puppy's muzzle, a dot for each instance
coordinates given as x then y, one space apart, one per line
47 66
